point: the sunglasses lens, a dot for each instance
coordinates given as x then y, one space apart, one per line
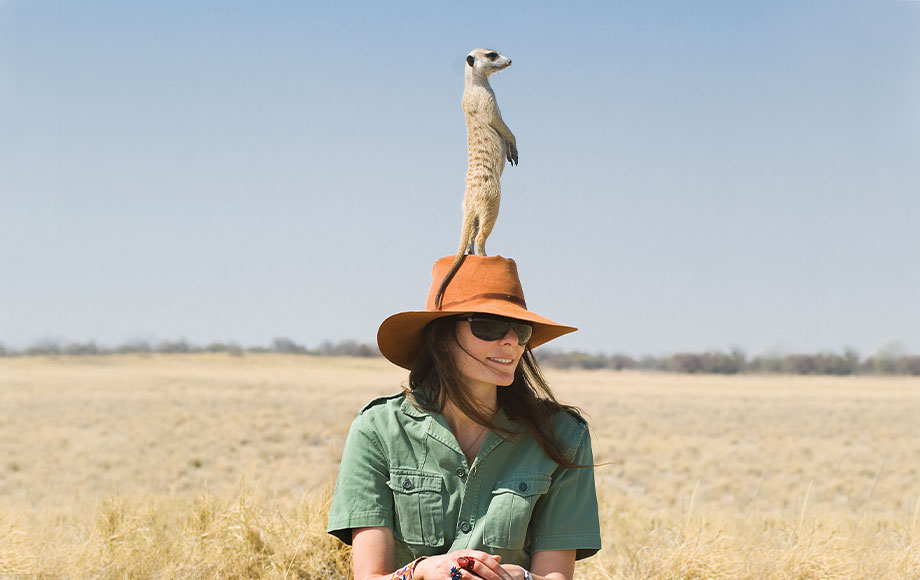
488 329
494 329
523 331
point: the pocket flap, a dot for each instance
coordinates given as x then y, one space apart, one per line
524 485
405 481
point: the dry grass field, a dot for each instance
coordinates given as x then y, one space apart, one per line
214 466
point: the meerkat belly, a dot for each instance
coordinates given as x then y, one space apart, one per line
486 152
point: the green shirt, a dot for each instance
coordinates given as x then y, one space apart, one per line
402 468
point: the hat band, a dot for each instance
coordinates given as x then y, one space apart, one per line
517 300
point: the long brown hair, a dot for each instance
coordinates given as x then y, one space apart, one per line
528 400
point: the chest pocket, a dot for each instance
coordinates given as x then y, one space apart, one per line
419 506
509 513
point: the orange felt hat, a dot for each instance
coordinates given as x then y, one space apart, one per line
488 285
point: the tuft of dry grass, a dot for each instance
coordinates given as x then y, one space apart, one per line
212 466
755 546
206 536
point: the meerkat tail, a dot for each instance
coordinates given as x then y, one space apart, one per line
467 239
458 260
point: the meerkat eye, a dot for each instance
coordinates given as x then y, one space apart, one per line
492 55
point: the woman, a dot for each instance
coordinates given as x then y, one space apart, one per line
475 471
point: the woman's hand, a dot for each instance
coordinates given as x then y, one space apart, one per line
482 565
513 572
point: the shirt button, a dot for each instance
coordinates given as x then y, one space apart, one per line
523 486
407 484
461 472
465 527
473 471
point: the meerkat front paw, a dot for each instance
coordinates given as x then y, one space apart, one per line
512 153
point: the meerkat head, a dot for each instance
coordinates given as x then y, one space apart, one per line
483 61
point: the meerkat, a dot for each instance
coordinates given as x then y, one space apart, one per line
490 143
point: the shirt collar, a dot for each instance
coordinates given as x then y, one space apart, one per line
409 408
438 428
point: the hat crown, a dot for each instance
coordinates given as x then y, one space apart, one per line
479 279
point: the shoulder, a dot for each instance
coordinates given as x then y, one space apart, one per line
388 415
573 415
571 428
383 404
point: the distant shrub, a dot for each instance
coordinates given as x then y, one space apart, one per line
882 365
765 364
44 347
835 364
909 365
651 363
134 347
685 362
230 348
287 346
621 362
583 360
724 364
87 348
798 364
175 347
347 348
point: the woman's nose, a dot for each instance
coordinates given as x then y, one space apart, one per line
510 337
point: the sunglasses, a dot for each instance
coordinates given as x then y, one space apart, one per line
492 328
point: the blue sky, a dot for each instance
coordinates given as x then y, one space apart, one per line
693 175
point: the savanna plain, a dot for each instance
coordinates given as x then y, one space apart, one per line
216 466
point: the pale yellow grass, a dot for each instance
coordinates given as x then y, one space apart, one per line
212 466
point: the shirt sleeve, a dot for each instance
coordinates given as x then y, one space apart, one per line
362 497
566 517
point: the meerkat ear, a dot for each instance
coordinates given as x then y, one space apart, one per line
470 59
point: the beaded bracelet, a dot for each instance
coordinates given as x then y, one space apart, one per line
408 571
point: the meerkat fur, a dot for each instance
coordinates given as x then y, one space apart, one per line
490 143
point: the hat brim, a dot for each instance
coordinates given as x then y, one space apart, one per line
400 336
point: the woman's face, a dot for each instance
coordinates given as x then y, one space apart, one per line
485 362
